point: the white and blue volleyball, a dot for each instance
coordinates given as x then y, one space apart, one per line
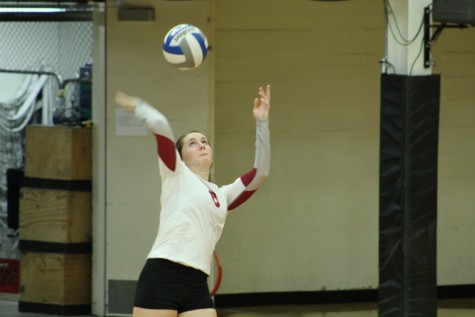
185 46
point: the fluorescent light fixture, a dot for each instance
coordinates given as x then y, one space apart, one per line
45 13
31 10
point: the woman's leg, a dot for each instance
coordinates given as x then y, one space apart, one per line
142 312
207 312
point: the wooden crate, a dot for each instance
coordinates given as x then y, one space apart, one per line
58 152
55 278
56 216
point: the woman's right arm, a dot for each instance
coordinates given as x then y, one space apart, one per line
156 122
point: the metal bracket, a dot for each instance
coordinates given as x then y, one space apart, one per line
429 40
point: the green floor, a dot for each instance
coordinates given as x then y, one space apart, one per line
447 308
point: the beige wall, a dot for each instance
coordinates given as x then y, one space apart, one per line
455 61
314 225
136 65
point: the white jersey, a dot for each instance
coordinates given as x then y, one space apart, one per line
193 211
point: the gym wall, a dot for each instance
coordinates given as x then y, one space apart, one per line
314 224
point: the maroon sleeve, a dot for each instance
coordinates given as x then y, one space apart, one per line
166 151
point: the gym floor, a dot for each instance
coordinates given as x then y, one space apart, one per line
447 308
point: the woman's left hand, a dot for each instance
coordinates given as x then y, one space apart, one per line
262 104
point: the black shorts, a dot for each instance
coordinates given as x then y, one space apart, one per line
164 284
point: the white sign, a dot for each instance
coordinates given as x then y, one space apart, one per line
126 124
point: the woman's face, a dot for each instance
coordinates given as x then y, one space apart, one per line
196 150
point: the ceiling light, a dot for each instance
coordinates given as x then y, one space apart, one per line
31 10
45 13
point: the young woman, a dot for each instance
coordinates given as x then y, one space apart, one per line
173 281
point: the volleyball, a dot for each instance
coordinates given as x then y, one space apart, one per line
185 46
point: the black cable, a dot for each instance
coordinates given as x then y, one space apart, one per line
417 57
405 42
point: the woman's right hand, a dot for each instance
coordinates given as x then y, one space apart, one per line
125 101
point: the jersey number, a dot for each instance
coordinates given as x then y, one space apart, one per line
215 198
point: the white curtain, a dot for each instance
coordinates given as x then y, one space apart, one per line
19 105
